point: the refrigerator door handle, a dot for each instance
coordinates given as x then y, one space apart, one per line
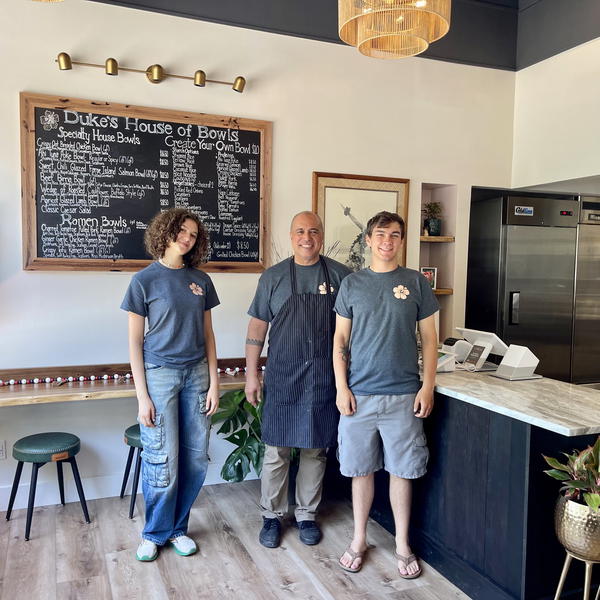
513 318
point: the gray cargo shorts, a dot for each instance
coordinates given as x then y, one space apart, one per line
383 432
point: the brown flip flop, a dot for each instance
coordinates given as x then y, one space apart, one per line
407 560
353 555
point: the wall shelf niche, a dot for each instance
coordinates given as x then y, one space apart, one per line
438 251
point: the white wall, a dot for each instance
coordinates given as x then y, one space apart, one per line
333 110
556 125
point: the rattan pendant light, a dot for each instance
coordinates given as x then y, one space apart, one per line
393 28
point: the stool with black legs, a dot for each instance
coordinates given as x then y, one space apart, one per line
40 449
132 439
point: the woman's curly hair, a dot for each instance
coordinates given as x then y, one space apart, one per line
164 228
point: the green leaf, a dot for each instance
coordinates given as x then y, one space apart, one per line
229 471
219 416
256 429
555 463
258 462
251 410
596 453
227 403
582 459
242 418
577 484
238 437
225 428
592 500
236 466
256 451
560 475
227 409
570 458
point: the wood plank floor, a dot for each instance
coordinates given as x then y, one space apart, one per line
67 559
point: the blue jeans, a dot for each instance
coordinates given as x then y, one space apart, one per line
175 455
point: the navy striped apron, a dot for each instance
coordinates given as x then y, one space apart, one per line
299 385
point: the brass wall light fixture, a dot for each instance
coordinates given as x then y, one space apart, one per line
154 73
200 78
239 84
64 62
111 66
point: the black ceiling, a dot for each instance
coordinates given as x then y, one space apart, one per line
502 34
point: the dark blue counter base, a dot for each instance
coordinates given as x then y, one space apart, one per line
484 514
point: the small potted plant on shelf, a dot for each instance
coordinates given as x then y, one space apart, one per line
432 224
577 514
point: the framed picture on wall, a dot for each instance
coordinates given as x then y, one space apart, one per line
346 202
430 274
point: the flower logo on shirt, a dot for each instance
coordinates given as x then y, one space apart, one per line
323 288
401 292
196 289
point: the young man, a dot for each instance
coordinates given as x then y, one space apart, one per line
296 298
379 394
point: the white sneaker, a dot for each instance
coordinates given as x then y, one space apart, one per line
184 545
147 551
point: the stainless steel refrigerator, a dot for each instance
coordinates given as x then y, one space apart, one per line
521 272
585 359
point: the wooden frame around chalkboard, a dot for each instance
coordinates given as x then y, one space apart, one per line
30 101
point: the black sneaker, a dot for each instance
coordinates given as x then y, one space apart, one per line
309 533
270 534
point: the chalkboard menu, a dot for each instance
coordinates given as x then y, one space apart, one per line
95 173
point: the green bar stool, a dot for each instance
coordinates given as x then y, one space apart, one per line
40 449
132 439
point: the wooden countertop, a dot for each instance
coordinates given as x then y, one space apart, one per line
43 393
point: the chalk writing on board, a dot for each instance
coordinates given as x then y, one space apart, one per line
100 179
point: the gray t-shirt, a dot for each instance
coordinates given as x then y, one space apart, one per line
174 301
275 286
384 308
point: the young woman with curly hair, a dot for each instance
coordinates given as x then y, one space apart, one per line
174 365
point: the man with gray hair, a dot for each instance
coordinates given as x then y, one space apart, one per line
295 298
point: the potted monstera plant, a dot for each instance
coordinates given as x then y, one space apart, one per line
577 513
240 424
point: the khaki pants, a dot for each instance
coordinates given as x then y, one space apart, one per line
309 482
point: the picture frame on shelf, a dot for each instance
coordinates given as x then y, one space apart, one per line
430 273
346 202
